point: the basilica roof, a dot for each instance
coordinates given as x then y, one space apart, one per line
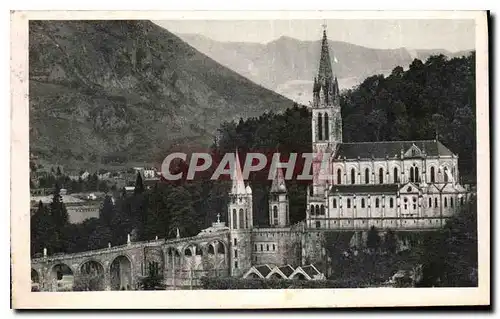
390 149
368 188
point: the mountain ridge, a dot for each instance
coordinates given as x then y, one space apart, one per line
280 63
117 91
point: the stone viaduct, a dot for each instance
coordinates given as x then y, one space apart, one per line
181 262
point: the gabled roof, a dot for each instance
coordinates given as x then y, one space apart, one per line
409 188
432 188
286 270
276 270
253 270
310 270
368 188
448 188
299 270
391 149
263 269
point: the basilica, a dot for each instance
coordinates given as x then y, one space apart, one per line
398 185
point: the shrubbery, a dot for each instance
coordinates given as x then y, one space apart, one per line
213 283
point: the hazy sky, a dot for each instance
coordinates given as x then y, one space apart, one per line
449 34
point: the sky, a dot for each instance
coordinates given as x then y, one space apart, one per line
450 34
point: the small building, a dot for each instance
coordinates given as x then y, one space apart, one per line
308 272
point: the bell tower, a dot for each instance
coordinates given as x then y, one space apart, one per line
240 217
279 215
326 117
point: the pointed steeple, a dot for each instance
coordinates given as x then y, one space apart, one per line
238 186
325 65
278 184
336 90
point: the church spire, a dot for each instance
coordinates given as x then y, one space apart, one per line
325 73
278 185
238 186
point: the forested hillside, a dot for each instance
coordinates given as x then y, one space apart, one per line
436 95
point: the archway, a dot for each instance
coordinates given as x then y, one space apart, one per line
61 278
35 280
91 277
217 257
121 273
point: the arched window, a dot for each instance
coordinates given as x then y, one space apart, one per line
275 212
235 219
242 218
445 202
377 202
320 127
445 175
461 200
417 177
396 177
334 203
339 176
348 203
362 203
433 175
327 127
353 176
412 176
435 202
381 175
391 202
430 202
312 210
367 176
317 209
322 209
451 202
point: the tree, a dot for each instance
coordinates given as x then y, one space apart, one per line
100 237
58 209
449 258
107 210
139 185
88 282
390 242
58 173
42 228
373 239
154 280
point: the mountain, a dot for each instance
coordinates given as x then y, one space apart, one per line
288 65
121 91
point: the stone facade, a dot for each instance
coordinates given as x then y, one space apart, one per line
397 185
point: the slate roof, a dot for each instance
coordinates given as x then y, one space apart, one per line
263 269
389 149
310 270
369 188
286 270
